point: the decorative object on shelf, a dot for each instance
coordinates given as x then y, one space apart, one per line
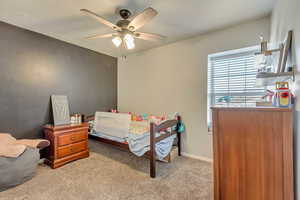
60 110
267 60
266 99
73 119
225 99
272 63
77 118
283 96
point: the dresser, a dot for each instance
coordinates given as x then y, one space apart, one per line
68 143
253 153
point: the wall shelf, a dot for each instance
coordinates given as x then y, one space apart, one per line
269 78
275 75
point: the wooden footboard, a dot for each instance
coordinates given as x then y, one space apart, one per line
153 140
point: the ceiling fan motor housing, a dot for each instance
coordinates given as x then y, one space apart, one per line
123 23
125 14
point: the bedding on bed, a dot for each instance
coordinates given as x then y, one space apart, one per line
139 144
135 133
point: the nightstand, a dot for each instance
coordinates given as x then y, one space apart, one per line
68 143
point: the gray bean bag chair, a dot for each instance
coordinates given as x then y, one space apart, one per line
15 171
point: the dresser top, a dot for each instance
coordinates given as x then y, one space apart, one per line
255 108
63 127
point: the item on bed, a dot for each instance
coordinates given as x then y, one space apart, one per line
153 137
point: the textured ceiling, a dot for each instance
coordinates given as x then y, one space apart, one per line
177 19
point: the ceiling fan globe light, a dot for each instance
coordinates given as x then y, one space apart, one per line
129 41
130 45
128 37
117 41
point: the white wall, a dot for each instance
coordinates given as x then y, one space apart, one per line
174 78
285 17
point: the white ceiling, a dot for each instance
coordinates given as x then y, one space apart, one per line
177 19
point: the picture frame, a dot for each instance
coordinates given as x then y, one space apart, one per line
60 110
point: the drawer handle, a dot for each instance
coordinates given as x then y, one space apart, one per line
73 138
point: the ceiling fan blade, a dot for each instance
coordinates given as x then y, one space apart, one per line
101 36
142 18
100 19
149 36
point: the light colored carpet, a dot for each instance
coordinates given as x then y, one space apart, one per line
112 174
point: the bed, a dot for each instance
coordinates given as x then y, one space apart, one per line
155 144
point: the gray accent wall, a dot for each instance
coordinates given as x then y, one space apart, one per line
34 66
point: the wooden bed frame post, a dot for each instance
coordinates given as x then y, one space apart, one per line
179 137
152 151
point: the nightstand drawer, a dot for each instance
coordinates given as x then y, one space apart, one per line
68 143
72 138
71 149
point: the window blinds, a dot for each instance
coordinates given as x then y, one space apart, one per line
232 80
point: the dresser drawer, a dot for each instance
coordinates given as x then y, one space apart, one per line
72 138
71 149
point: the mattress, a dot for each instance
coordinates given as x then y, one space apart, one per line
109 137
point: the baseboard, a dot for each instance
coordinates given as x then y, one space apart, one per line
197 157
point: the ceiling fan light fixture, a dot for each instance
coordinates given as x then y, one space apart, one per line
117 41
129 41
125 29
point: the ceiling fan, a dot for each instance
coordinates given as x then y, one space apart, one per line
125 29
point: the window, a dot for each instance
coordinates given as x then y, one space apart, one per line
232 79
